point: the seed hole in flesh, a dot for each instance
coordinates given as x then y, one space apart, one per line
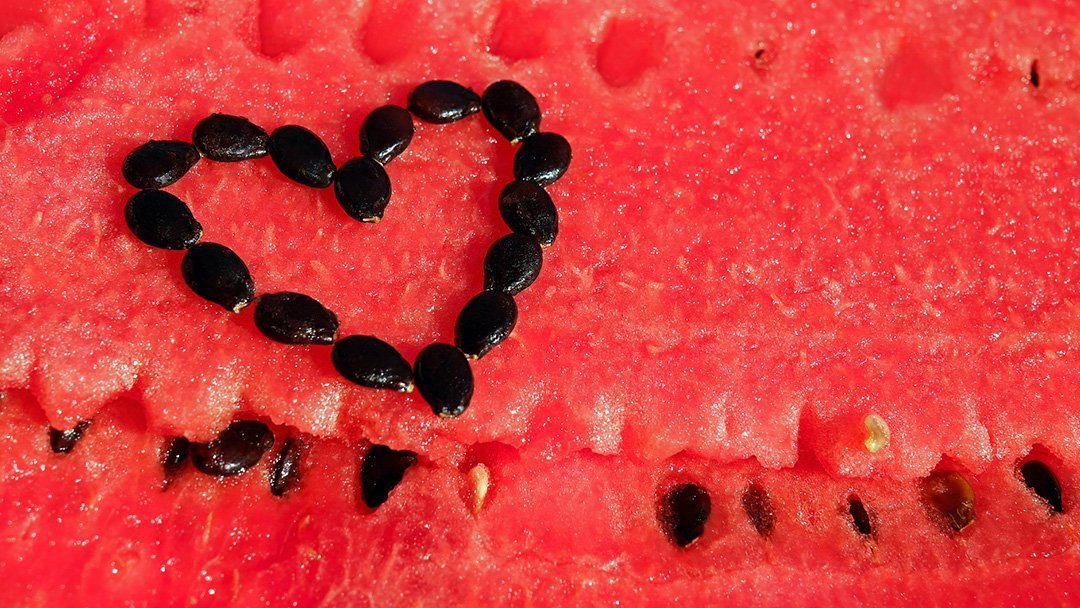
1043 482
860 518
762 59
285 475
950 499
63 442
630 47
381 471
759 509
683 513
238 448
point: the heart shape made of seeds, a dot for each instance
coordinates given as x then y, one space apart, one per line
441 371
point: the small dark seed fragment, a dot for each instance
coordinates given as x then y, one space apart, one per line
511 109
445 380
950 499
176 456
381 471
228 138
362 188
370 362
295 318
63 442
385 133
301 156
157 164
759 508
542 158
217 274
485 321
161 220
443 101
1043 482
238 448
526 208
286 473
1033 75
859 516
512 263
683 513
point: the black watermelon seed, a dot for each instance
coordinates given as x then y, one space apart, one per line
161 220
157 164
368 361
759 509
301 156
485 321
63 442
1043 482
238 448
683 513
217 274
176 456
512 263
511 109
362 188
385 133
381 471
860 518
443 101
526 208
228 138
294 318
950 499
445 380
286 473
542 158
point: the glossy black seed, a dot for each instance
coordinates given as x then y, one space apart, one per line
157 164
443 101
860 518
176 456
228 138
159 219
1043 482
286 472
63 442
238 448
511 109
385 133
368 361
362 188
217 274
512 263
683 513
443 377
950 499
381 471
301 156
294 318
542 158
759 509
485 321
526 208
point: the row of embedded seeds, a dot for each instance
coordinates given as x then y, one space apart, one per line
362 187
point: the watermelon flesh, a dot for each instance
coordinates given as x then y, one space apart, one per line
775 224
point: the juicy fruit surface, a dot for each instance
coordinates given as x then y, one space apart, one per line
776 223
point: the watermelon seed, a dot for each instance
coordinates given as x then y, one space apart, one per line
512 263
950 499
286 472
484 322
479 481
370 362
63 442
442 101
238 448
542 158
226 138
176 456
683 513
528 209
381 471
444 379
157 164
385 133
301 156
759 509
877 433
1043 482
295 318
1033 75
860 518
511 109
161 220
216 273
362 188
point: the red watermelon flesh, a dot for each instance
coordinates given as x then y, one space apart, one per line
778 220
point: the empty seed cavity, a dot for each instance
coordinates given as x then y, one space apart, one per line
301 156
63 442
759 509
157 164
950 499
684 510
227 138
542 158
362 188
860 517
238 448
161 220
1041 480
214 272
444 378
528 209
511 109
442 101
381 470
370 362
295 318
385 133
484 322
